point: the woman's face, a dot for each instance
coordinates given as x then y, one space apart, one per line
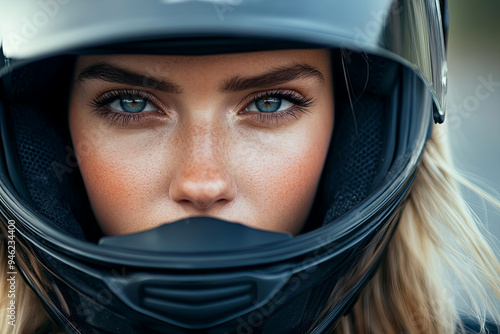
240 137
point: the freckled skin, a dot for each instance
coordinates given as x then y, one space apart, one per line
203 157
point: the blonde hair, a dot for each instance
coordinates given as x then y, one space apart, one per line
438 246
30 315
438 240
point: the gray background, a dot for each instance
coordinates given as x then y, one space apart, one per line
474 113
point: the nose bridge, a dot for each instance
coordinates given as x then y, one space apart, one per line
203 145
202 177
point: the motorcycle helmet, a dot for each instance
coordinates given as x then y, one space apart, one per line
204 275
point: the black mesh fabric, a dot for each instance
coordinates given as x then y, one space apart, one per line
357 146
39 147
354 160
37 102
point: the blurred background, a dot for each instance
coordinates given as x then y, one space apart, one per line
473 117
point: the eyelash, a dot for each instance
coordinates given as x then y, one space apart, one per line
102 109
300 105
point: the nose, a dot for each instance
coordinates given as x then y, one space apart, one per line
202 179
202 188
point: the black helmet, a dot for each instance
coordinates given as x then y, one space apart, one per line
184 277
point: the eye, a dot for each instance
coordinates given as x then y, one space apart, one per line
277 106
132 104
125 106
269 104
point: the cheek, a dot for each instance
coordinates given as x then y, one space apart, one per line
117 180
115 186
283 180
291 191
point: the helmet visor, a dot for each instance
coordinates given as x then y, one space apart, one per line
408 32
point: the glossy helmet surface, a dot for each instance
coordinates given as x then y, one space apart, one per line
390 85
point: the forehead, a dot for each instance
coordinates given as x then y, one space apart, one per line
240 62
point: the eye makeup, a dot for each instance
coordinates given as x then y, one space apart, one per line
270 107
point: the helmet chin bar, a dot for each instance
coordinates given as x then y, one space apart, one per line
196 235
197 301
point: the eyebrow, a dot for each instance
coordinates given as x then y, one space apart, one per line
110 73
278 76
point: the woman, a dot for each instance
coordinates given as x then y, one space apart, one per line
239 153
213 170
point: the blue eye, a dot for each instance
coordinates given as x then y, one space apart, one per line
269 104
132 105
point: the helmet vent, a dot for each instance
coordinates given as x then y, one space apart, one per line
195 302
197 305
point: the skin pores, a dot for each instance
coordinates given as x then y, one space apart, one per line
241 137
